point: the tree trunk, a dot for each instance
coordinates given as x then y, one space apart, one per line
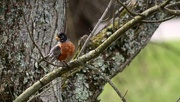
28 34
23 24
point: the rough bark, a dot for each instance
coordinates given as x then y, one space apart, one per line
87 84
19 55
110 51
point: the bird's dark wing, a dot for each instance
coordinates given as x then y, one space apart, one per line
55 51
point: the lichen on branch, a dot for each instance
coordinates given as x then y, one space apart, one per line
110 51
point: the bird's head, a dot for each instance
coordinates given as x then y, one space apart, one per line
61 37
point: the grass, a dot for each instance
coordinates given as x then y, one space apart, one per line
153 76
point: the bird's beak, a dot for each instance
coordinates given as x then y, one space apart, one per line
57 38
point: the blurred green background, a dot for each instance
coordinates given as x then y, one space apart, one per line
153 76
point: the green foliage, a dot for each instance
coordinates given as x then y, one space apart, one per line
152 77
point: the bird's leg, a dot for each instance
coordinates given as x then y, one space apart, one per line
64 63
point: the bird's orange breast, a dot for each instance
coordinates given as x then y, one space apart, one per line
67 50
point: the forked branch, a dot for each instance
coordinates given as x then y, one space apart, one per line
92 54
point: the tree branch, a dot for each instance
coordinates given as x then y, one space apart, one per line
178 100
127 9
171 11
31 35
109 81
158 21
92 54
95 28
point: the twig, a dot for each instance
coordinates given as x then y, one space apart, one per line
172 5
178 99
109 81
171 11
128 3
113 17
90 55
31 36
53 64
42 92
44 59
127 9
158 21
95 28
55 95
125 93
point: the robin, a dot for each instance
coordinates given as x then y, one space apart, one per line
63 50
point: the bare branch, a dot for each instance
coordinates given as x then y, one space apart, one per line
125 93
116 14
158 21
109 81
172 5
95 28
171 11
174 12
92 54
44 59
53 64
127 9
39 94
178 99
31 35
